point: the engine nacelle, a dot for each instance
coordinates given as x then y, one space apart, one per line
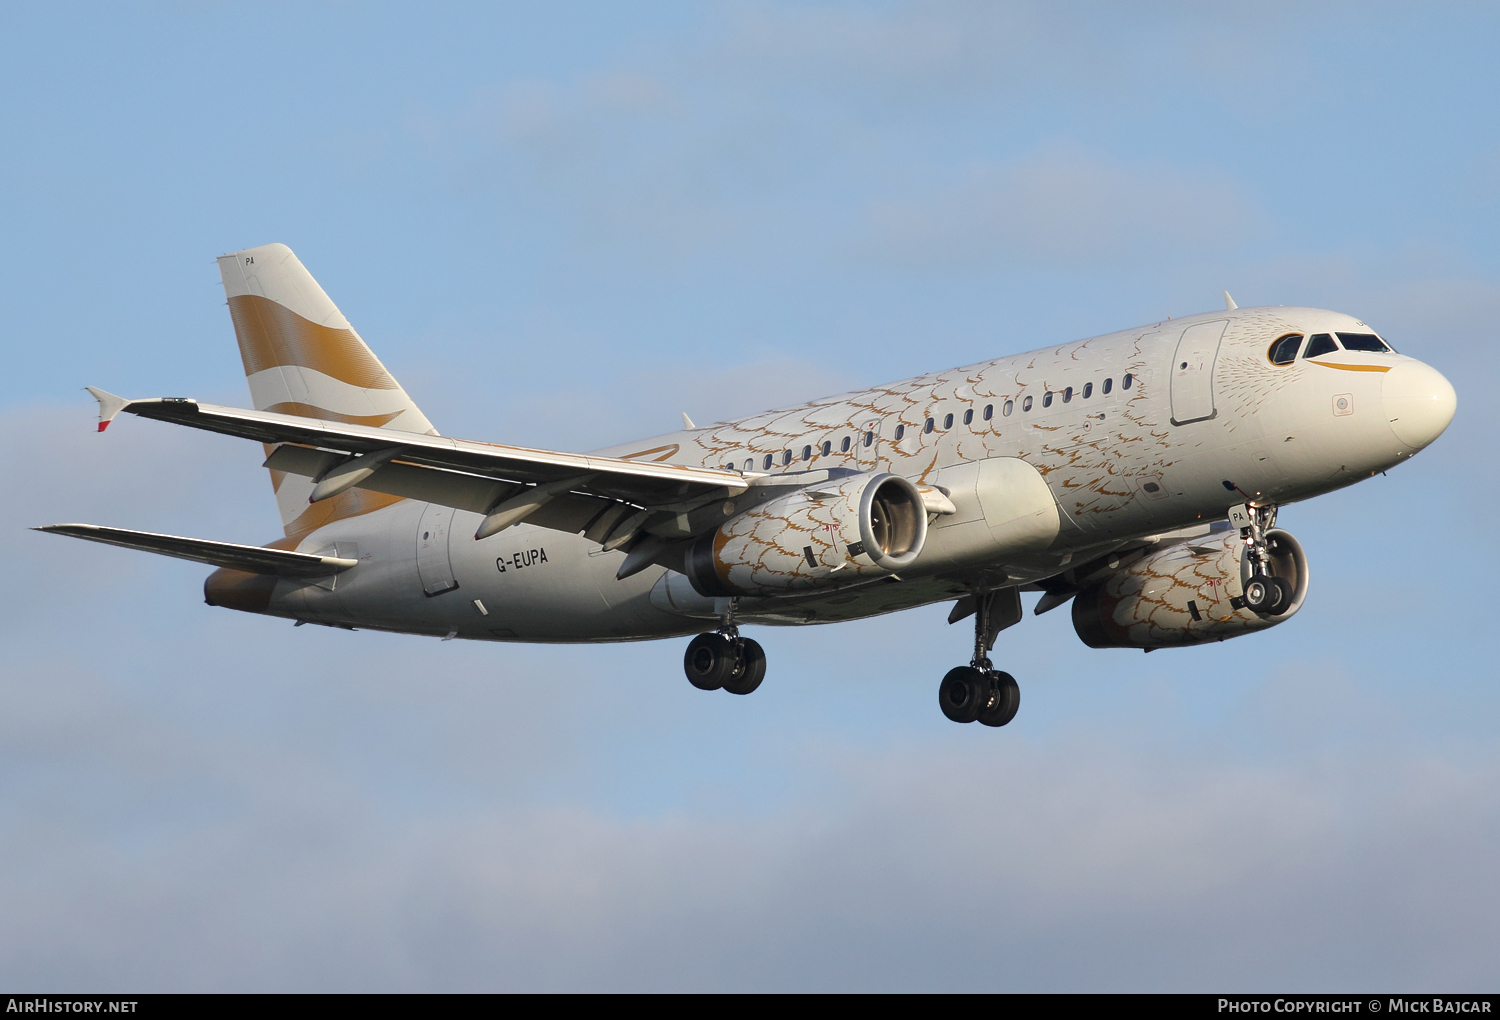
1187 593
860 527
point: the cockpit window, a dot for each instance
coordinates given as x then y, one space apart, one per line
1363 342
1284 350
1318 345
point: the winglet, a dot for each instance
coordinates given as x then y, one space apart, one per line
687 422
1229 304
109 405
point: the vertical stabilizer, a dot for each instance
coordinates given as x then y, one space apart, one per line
302 357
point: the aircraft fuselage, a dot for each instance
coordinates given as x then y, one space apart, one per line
1135 433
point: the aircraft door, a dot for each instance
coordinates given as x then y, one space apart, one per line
433 565
1193 372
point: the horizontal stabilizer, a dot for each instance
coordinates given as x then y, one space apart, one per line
253 559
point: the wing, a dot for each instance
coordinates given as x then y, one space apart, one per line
252 558
606 497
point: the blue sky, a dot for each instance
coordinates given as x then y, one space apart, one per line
559 226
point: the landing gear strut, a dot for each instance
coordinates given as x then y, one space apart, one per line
978 692
1265 594
723 659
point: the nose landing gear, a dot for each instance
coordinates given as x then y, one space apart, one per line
723 659
978 692
1265 594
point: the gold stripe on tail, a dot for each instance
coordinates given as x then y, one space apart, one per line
273 336
351 503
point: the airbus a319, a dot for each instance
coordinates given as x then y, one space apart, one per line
1136 474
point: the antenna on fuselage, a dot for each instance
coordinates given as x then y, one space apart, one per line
1229 304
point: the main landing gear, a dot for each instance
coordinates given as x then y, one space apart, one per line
724 659
978 691
1265 594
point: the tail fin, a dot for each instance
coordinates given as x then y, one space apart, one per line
302 357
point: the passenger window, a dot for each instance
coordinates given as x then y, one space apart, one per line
1047 399
900 432
969 416
827 447
989 411
1318 345
769 461
1125 382
1109 384
1088 390
1363 342
786 457
844 446
947 421
869 438
928 426
1010 405
749 463
1067 394
1284 350
807 453
1026 404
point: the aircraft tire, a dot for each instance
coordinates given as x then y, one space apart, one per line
1260 594
752 668
709 661
963 694
1005 701
1284 593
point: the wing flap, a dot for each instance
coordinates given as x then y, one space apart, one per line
431 485
569 511
253 559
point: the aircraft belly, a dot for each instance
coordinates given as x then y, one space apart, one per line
536 584
551 589
1005 515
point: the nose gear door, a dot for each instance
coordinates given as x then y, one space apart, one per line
433 566
1193 372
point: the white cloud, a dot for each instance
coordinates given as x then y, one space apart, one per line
911 52
1063 204
1082 863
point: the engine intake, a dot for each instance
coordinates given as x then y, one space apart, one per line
823 536
1186 593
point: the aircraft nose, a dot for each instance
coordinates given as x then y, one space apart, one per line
1419 403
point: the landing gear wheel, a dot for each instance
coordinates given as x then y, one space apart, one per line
710 661
1284 593
1005 698
964 693
751 668
1261 594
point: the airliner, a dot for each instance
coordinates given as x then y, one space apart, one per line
1136 475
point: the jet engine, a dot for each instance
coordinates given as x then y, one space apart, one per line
860 527
1186 593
